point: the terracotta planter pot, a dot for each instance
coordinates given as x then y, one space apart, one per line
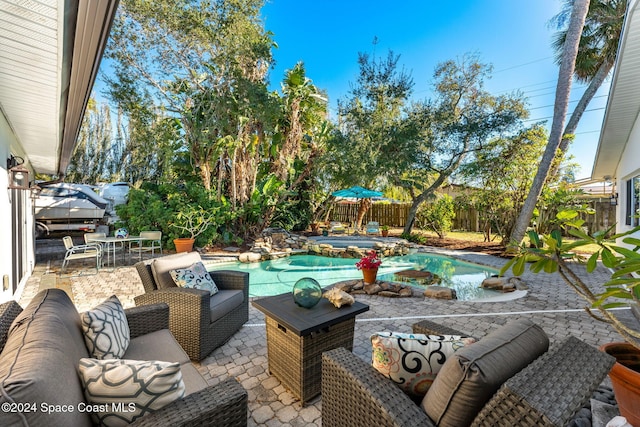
385 233
370 274
183 244
625 378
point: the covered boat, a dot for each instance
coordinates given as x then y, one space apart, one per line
72 202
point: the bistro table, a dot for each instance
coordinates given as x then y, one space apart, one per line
110 243
297 337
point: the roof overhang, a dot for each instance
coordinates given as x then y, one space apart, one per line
623 104
50 52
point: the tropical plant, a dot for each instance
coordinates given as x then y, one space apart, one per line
194 220
596 54
552 253
437 216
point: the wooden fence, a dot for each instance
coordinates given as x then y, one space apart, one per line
395 215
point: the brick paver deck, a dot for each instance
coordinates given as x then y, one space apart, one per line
549 302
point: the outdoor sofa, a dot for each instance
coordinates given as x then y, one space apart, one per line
39 363
507 378
200 322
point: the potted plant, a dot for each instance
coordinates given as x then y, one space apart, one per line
385 230
193 221
369 265
551 253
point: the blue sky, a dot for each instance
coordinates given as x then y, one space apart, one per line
512 35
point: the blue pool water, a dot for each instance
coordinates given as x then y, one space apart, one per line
278 276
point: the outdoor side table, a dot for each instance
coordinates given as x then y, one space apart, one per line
297 337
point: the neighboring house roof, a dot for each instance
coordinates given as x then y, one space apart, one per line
623 104
50 51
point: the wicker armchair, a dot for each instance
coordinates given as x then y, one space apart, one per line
222 404
190 309
548 392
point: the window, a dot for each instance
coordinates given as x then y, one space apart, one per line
633 202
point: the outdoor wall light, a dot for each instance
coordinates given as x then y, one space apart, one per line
18 174
613 200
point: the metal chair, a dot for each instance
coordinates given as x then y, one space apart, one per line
153 240
80 252
373 227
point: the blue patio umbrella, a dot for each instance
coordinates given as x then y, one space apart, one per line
357 192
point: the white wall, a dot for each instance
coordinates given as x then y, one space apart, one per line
628 167
9 145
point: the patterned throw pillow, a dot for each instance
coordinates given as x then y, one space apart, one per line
196 276
413 360
106 330
125 390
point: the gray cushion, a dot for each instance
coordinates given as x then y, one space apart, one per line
40 360
474 373
158 345
224 302
193 380
160 267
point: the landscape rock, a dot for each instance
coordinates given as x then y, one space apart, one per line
248 257
440 292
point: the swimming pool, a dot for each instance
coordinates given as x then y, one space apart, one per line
278 276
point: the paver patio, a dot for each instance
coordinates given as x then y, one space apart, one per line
549 302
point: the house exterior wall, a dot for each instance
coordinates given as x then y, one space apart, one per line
17 242
627 169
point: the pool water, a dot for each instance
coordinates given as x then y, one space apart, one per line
278 276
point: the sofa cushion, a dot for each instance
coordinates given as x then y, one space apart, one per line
157 345
125 390
224 302
193 380
161 267
412 361
473 374
40 360
106 330
195 276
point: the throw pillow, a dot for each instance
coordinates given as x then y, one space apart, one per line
196 276
106 330
412 361
121 391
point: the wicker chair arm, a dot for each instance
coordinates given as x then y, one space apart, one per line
224 404
175 297
231 280
8 313
355 394
428 327
147 318
551 390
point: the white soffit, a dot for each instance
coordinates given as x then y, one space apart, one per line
623 104
50 51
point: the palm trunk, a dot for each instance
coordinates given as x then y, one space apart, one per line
563 91
586 98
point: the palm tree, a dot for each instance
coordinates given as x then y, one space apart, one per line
563 90
596 54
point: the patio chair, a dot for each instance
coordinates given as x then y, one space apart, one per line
336 227
80 252
200 322
373 227
547 391
151 240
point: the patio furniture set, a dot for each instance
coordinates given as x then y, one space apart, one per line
509 377
97 245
